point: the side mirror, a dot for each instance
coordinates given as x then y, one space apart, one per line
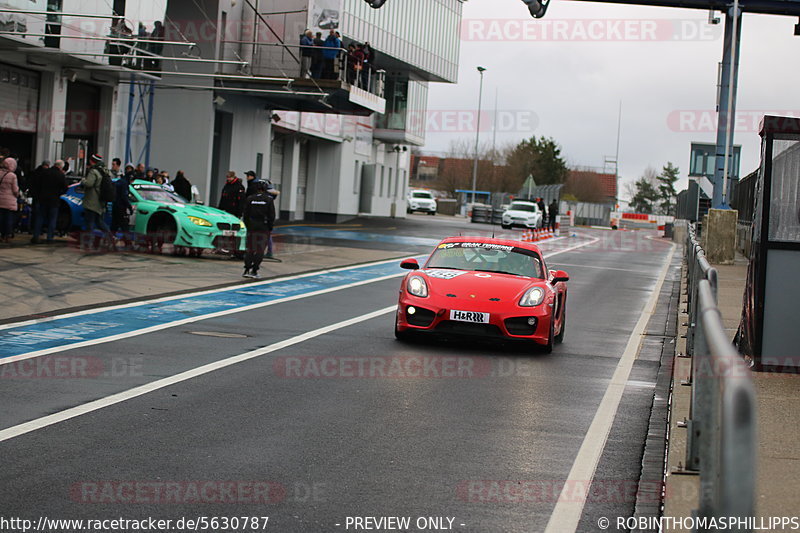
558 276
409 264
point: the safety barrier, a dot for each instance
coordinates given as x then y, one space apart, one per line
721 439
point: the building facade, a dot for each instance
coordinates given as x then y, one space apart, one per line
220 88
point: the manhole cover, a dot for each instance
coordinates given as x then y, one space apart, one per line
219 334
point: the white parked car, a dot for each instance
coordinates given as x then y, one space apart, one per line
423 201
523 214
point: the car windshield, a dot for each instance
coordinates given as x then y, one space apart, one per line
157 194
524 207
487 257
422 195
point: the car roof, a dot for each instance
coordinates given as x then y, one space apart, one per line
492 240
523 202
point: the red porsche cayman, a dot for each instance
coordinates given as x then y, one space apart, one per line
478 286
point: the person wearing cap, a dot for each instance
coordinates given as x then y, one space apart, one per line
259 217
252 179
93 208
232 198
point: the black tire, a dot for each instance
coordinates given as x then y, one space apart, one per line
506 226
560 337
548 348
403 336
432 213
179 250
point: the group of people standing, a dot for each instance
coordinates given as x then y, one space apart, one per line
140 51
322 59
549 214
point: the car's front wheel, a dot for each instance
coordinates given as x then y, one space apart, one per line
548 348
560 336
400 335
505 226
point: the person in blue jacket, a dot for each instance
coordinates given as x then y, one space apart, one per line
332 45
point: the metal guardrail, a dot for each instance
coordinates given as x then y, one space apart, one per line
721 439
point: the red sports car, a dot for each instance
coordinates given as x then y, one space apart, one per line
477 286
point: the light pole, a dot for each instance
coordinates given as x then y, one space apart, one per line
481 70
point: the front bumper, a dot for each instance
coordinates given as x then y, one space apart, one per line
520 223
425 208
211 239
510 323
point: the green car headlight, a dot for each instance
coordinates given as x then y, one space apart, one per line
200 221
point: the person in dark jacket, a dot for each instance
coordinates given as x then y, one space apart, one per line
252 181
552 212
259 217
34 187
51 184
232 198
540 203
121 209
182 186
317 63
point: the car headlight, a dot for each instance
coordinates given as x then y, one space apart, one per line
417 286
200 221
533 297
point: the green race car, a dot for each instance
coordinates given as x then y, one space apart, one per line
161 216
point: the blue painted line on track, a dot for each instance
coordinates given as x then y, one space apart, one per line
323 233
93 326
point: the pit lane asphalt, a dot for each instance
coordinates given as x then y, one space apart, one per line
345 446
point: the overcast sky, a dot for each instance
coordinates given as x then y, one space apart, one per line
564 76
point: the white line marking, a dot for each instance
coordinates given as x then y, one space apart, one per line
55 418
567 512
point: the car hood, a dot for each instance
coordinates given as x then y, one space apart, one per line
478 286
515 213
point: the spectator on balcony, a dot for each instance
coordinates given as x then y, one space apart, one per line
369 56
355 64
306 53
332 45
154 63
116 45
317 63
143 35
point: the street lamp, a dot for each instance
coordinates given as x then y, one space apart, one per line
481 70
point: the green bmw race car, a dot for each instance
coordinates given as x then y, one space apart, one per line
163 217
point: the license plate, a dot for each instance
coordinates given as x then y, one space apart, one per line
228 233
469 316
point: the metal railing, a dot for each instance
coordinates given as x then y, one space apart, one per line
721 439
